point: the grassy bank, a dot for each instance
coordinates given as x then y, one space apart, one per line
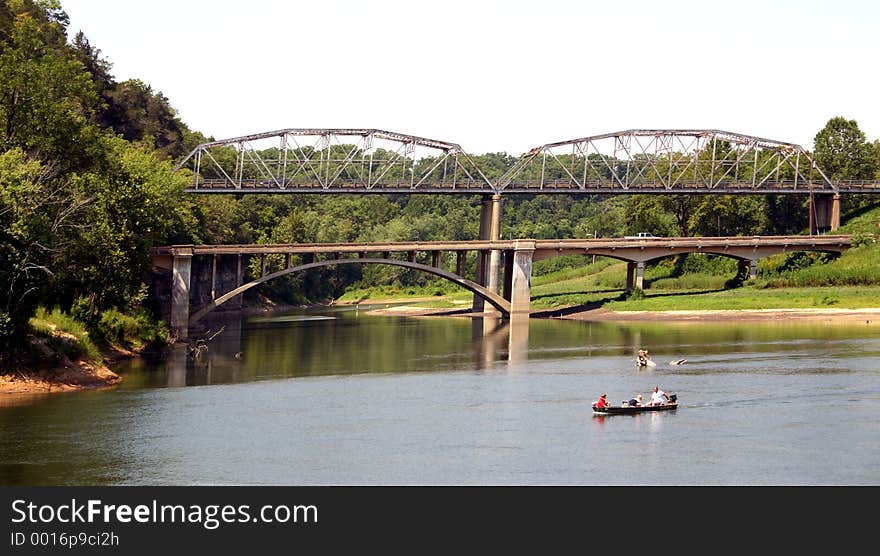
64 353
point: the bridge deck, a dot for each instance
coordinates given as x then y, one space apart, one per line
586 245
534 187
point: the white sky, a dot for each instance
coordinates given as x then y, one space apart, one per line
498 75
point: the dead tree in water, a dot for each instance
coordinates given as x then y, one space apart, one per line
197 348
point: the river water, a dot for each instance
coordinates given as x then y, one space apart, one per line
345 397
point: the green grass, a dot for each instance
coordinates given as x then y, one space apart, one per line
748 297
64 334
394 292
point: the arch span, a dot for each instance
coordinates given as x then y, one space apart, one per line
492 298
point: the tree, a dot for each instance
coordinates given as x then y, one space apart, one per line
842 151
38 219
137 113
136 202
45 101
876 147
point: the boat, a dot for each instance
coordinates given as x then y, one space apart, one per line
630 410
626 409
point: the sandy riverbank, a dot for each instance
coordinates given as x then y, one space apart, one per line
867 316
68 376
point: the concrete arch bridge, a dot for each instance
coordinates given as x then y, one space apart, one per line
204 277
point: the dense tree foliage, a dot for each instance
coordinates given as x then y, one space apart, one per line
87 188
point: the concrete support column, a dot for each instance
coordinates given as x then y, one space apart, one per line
824 213
488 262
181 271
494 271
835 212
411 256
480 272
435 258
213 277
262 265
640 275
521 277
287 260
630 276
751 264
239 280
460 257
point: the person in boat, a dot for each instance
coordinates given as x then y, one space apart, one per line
658 397
601 402
643 357
636 402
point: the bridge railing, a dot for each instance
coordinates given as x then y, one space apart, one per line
545 186
682 186
262 184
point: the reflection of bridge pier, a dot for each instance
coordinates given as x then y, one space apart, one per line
518 342
182 369
487 333
493 334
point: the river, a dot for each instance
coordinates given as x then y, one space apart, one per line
345 397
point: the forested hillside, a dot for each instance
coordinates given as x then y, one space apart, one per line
87 188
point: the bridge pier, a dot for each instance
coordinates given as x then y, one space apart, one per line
181 272
824 213
635 275
518 282
753 267
488 262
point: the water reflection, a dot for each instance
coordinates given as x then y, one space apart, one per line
357 398
311 345
349 341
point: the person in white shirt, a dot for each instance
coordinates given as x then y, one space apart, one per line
658 397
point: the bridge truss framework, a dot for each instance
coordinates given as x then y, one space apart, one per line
653 161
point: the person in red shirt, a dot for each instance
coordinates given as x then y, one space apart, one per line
601 402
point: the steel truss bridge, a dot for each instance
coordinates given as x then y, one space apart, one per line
644 161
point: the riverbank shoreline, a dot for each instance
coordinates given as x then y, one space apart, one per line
867 315
67 376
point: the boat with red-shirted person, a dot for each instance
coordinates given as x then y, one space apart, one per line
626 409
